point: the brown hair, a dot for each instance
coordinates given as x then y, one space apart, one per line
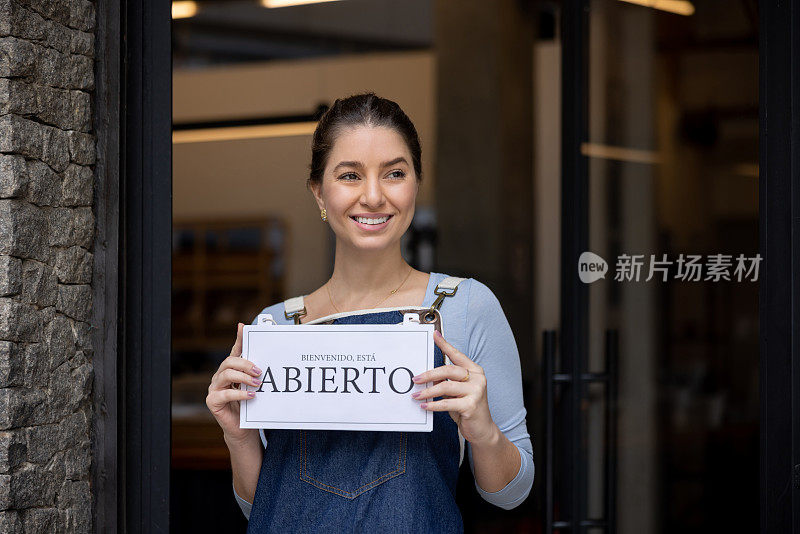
365 109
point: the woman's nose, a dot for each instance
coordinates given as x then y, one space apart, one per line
372 195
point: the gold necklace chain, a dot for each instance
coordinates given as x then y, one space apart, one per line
392 292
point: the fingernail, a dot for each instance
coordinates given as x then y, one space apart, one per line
436 333
251 394
255 381
415 395
416 378
256 370
423 405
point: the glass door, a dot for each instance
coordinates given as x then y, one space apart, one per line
652 380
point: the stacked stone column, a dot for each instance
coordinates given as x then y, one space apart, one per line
47 153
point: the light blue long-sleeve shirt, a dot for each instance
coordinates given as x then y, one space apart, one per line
475 324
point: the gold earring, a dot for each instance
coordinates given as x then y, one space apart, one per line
323 214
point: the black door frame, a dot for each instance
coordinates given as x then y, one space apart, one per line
779 246
570 465
145 260
145 266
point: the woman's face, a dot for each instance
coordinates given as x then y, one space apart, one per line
369 187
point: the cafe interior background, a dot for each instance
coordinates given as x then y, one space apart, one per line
672 136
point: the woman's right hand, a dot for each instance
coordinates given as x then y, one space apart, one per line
223 393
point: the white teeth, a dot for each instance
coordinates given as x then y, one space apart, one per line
380 220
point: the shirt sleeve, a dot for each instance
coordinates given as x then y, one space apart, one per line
491 344
243 504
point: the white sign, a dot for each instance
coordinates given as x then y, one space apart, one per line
338 377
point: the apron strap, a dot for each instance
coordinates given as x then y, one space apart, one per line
445 288
295 308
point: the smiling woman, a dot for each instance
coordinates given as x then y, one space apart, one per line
370 202
368 199
365 176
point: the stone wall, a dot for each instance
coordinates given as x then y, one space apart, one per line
47 153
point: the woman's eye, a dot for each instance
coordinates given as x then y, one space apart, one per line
348 177
397 174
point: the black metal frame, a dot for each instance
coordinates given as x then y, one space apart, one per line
570 466
779 246
574 240
145 261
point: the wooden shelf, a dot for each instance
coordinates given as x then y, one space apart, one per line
197 443
223 268
223 272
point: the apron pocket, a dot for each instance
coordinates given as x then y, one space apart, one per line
349 463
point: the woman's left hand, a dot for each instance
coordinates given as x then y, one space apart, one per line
463 385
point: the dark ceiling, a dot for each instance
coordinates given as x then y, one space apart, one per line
236 31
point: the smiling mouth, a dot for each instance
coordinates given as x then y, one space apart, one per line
371 221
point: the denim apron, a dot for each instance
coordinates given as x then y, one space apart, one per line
360 481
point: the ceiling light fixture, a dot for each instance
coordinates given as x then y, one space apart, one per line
232 133
679 7
746 169
184 9
288 3
618 153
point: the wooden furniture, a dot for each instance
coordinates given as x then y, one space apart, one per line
223 272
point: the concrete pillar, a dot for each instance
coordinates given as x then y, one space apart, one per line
484 175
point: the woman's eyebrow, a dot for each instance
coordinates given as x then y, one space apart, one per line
358 164
395 161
